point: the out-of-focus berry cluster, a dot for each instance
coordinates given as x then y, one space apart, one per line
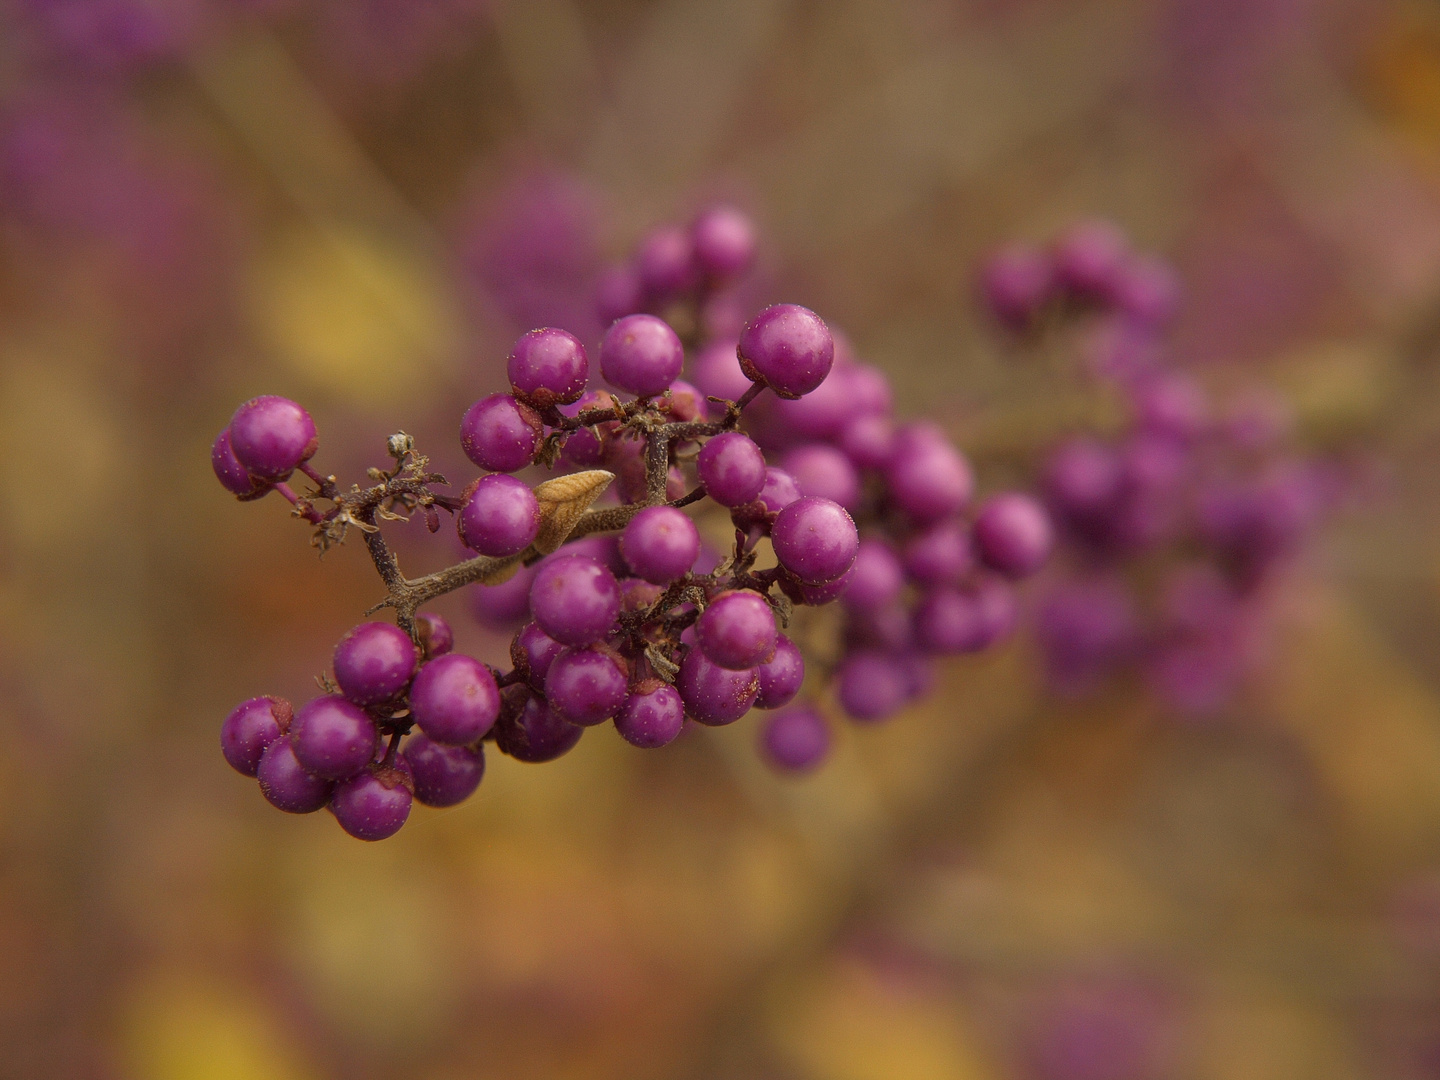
646 629
1176 527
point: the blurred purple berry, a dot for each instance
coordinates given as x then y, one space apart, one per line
869 441
1016 283
724 242
876 579
619 293
1090 257
796 739
436 637
665 261
779 490
927 478
871 686
940 555
825 472
504 606
1013 534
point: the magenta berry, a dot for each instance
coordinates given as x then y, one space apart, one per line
781 676
548 367
373 805
927 478
788 348
500 434
536 733
652 716
585 686
250 728
815 539
506 605
872 686
714 695
795 740
574 600
533 651
779 491
443 775
271 435
737 631
939 555
876 579
1090 257
455 699
286 784
724 242
436 637
620 292
1012 534
949 620
333 738
717 373
228 470
660 544
824 471
374 662
869 441
1016 283
731 469
666 263
500 516
641 355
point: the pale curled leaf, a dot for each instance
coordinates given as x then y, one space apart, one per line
562 501
666 668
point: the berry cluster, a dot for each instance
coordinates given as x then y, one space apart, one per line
1177 526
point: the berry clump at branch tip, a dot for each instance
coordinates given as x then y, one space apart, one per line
620 612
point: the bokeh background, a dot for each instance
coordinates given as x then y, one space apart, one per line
358 203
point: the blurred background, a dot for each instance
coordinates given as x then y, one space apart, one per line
359 203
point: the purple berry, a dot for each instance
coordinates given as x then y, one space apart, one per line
824 471
927 477
869 441
788 348
250 728
666 262
1016 283
731 469
660 544
724 240
1083 481
871 686
585 447
876 578
737 631
795 740
500 516
714 695
780 490
887 628
536 650
536 733
1012 534
815 539
1085 629
642 355
575 600
1089 258
684 403
436 637
637 595
651 716
585 686
373 805
228 470
824 412
500 434
271 435
604 550
548 367
286 784
941 555
374 662
1171 405
1147 291
781 676
333 738
443 775
503 606
455 699
717 374
949 621
816 595
619 292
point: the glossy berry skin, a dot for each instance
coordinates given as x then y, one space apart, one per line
1013 534
574 599
724 240
731 469
286 784
660 544
940 555
781 676
815 539
228 470
737 631
651 717
374 662
536 733
333 738
436 637
503 606
876 579
537 650
548 367
714 695
796 739
373 805
271 435
250 728
455 699
824 471
640 354
871 686
788 348
927 478
500 434
500 516
443 775
585 686
780 490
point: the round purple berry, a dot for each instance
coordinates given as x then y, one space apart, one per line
536 733
781 676
824 471
724 241
666 262
436 637
1090 257
652 716
548 367
1084 481
585 686
1016 283
871 686
816 595
618 293
788 348
731 469
250 728
876 578
684 403
714 695
641 354
374 662
455 699
333 738
660 544
949 621
373 805
737 631
717 374
1012 534
795 740
574 599
780 490
500 516
271 435
228 470
500 434
443 775
927 477
505 605
815 539
869 441
940 555
535 650
286 784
